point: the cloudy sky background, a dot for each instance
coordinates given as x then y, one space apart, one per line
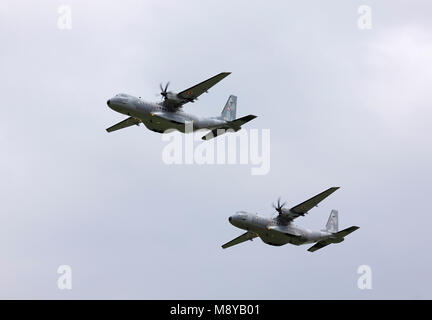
346 107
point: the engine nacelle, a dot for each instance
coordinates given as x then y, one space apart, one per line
171 96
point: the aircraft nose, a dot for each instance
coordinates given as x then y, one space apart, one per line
108 102
230 219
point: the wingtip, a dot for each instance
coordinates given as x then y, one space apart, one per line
250 117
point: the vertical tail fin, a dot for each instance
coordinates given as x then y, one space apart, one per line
229 111
333 223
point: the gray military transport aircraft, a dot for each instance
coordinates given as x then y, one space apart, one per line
168 114
281 230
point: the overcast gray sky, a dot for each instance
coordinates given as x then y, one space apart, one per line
346 107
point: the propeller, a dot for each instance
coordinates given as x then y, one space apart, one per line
279 207
164 91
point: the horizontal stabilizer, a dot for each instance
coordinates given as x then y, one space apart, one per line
237 123
234 125
214 133
338 237
319 245
347 231
124 124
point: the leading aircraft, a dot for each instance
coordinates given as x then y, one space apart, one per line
281 229
168 114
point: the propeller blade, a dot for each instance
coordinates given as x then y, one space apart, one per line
164 92
279 206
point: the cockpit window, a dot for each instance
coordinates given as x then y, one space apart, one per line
242 215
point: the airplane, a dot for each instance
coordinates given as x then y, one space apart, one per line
281 229
168 114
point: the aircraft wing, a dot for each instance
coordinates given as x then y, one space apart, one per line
303 208
319 245
244 237
124 124
194 92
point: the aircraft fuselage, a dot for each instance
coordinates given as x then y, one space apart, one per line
157 118
272 232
